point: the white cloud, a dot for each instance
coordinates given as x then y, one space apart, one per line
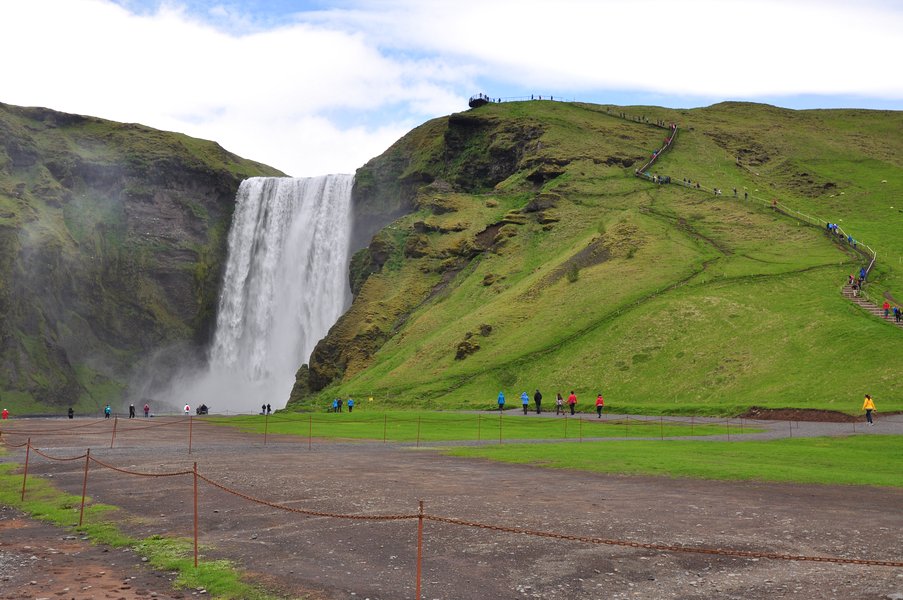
324 91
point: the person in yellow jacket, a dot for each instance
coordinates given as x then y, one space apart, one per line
868 406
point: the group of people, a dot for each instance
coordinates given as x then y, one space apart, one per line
559 402
337 405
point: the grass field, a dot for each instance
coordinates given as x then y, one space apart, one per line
854 460
408 426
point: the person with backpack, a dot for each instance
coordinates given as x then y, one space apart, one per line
350 404
501 401
525 401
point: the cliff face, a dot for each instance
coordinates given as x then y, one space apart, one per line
112 239
422 173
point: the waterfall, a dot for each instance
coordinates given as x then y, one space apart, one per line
285 285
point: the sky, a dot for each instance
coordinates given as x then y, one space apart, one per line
320 87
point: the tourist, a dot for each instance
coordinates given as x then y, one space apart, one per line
559 404
886 307
4 415
868 406
268 409
501 401
537 398
146 410
600 402
350 404
107 411
187 410
335 405
525 401
340 405
572 401
131 411
897 313
71 413
263 409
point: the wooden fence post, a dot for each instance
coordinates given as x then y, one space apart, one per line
25 474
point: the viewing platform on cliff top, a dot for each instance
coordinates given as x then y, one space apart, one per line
478 100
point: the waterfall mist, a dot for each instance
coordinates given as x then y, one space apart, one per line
285 285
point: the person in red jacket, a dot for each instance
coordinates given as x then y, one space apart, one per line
572 401
886 308
599 404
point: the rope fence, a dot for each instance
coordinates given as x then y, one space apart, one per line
421 516
489 428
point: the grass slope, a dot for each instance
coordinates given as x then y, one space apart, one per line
665 299
855 460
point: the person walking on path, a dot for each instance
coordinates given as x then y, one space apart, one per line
572 401
537 398
525 401
335 405
4 415
131 411
187 410
71 413
501 401
886 307
350 404
269 410
600 402
106 411
559 404
868 406
146 410
896 314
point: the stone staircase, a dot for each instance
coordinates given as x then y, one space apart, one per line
869 307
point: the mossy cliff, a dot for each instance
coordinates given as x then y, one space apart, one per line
112 241
511 247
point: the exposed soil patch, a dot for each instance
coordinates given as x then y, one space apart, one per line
799 414
38 560
343 558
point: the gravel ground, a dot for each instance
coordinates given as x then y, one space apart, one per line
324 557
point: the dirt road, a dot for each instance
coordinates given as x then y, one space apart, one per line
323 557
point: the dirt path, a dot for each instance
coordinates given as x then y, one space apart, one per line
42 561
358 559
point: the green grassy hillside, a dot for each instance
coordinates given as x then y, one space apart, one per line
534 258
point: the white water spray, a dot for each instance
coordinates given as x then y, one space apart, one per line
285 285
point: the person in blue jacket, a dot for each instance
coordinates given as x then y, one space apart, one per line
501 401
350 404
525 401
